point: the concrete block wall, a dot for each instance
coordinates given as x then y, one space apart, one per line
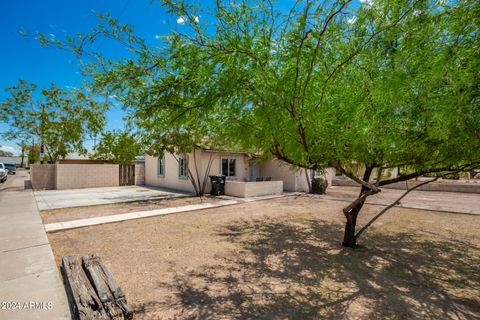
76 176
42 176
139 174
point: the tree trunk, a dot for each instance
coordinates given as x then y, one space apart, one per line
349 239
309 183
23 157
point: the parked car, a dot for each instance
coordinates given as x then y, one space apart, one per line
3 173
12 169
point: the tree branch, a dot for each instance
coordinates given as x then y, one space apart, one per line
392 205
355 178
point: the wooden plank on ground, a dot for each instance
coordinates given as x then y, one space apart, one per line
85 302
107 288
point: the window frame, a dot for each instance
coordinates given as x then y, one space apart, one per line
161 164
228 169
180 176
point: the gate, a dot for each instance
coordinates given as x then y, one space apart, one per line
126 174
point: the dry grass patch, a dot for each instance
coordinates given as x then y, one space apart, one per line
281 259
75 213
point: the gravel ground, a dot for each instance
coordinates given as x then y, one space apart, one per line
281 259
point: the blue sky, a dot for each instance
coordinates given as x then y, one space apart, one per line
24 58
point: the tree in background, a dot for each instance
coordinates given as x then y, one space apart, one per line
23 149
386 84
60 120
117 146
33 153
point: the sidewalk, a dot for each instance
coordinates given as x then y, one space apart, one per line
30 283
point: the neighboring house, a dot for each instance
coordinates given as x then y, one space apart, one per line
242 172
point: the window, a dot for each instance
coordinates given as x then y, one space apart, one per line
183 167
338 173
229 167
161 166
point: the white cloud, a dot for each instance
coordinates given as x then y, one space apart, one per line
196 19
352 20
157 36
182 20
368 3
9 149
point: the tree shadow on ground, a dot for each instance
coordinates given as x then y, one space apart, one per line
285 270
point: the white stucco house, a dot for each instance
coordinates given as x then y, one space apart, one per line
245 175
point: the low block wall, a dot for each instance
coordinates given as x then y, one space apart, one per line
434 186
253 189
139 174
77 176
42 176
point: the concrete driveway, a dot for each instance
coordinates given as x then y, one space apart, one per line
56 199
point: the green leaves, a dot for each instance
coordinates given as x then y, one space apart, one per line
61 119
384 83
117 146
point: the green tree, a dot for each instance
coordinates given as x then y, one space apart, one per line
386 84
117 146
33 153
23 149
58 119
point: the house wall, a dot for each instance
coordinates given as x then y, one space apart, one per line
76 176
294 180
42 176
171 179
281 171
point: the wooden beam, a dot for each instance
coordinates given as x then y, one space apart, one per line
84 300
107 288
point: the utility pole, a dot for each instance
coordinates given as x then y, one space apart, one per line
42 147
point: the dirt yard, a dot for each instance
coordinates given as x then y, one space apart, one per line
67 214
281 259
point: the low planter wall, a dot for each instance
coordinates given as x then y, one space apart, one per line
253 189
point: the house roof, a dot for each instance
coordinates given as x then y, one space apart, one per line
76 156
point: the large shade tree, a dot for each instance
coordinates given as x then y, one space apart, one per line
57 119
381 84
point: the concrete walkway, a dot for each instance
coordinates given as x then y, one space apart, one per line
59 226
30 283
56 199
